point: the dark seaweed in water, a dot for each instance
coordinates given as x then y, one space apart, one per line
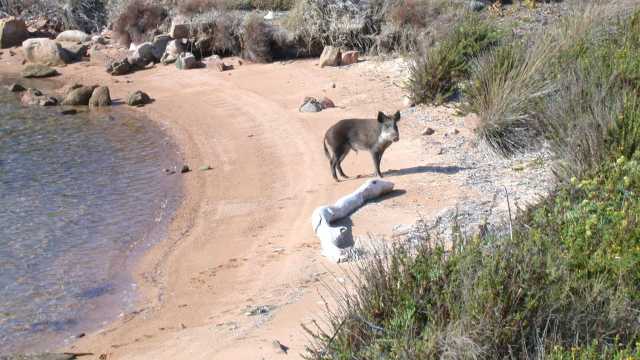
78 196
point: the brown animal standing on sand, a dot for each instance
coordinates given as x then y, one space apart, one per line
374 135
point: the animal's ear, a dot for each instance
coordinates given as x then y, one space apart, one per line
396 116
381 116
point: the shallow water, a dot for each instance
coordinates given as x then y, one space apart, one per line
79 197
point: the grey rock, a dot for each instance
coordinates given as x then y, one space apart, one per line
142 55
38 71
73 51
44 51
138 98
179 29
310 105
428 131
13 32
331 56
75 36
69 112
100 97
186 61
185 169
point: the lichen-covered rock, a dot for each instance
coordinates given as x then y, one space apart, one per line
44 51
75 36
79 96
38 71
119 67
13 32
331 56
138 98
100 97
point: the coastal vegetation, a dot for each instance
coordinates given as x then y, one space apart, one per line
560 281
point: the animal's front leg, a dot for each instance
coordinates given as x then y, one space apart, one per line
377 157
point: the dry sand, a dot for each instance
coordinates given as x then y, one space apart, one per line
242 236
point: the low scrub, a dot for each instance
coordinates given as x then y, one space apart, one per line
435 75
137 20
565 281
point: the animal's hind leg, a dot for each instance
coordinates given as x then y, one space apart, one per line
344 154
334 161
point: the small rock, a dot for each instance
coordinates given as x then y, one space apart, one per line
186 61
169 171
185 169
349 57
326 103
280 346
79 96
16 88
31 97
452 132
428 131
310 105
407 102
119 67
171 52
331 56
81 335
270 16
138 98
100 97
48 101
258 310
69 112
205 168
73 51
38 71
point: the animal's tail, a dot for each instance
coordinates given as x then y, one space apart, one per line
326 151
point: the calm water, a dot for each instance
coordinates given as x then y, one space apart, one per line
79 196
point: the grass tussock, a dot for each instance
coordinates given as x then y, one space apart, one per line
435 76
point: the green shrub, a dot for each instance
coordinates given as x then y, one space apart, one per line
435 75
507 90
567 275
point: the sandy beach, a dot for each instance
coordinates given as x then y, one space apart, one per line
242 238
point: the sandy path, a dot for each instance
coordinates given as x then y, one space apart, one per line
242 235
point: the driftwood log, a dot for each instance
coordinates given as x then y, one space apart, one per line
333 239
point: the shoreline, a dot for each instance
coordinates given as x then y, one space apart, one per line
121 284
